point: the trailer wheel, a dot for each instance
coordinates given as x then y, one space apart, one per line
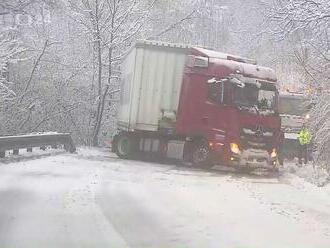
123 146
201 156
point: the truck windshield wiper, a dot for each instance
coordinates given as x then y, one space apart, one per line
245 105
248 107
242 104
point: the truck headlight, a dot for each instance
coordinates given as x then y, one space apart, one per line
273 154
234 148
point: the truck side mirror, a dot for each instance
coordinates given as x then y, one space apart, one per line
238 82
212 81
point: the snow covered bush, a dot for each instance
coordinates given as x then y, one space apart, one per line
316 175
320 124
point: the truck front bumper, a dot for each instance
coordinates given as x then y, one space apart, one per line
253 158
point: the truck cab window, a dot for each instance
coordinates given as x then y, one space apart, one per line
261 98
215 92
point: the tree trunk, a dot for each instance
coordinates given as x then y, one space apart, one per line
95 141
102 96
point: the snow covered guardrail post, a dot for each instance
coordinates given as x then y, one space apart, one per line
35 140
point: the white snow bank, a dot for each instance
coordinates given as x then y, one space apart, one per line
86 151
311 173
36 153
32 134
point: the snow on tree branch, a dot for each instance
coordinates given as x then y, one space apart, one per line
10 49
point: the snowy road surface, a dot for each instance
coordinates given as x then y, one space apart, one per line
92 199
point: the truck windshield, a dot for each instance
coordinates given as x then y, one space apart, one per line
292 105
262 98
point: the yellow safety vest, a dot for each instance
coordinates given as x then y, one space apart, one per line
304 136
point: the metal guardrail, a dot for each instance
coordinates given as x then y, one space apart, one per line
35 140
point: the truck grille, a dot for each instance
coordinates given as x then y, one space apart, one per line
257 137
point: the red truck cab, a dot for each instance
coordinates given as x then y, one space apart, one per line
233 105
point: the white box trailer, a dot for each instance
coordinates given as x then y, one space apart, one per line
152 74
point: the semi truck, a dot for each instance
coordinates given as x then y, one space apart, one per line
197 105
293 109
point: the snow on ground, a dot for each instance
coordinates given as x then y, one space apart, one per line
24 155
30 134
93 199
310 173
92 152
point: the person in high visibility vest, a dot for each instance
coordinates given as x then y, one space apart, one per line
304 138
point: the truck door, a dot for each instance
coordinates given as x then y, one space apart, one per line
214 118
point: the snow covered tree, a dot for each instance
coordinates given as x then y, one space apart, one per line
10 47
111 26
309 22
10 50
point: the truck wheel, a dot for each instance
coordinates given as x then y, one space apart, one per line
281 161
201 156
276 168
123 146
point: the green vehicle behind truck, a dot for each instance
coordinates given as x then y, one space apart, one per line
293 109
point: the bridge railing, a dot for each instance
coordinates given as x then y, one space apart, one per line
35 140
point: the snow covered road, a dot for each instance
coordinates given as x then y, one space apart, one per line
92 199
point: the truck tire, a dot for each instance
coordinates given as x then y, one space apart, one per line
124 146
201 156
69 147
276 169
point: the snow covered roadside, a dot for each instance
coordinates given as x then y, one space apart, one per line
24 155
83 151
86 151
312 174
